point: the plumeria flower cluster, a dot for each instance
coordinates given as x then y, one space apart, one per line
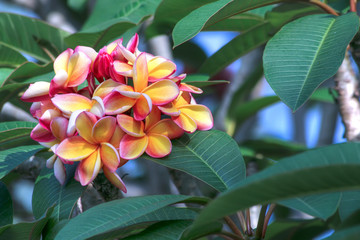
103 109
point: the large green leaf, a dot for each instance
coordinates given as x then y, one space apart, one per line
210 14
306 52
256 36
15 132
11 158
115 214
10 57
6 206
238 23
350 203
48 192
4 74
30 36
322 206
109 21
345 234
9 91
211 156
28 230
332 168
169 230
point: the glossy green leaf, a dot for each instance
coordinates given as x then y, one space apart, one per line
212 13
306 52
52 228
170 230
9 91
4 74
38 34
28 230
349 204
11 158
211 156
345 234
6 206
109 21
238 23
332 168
10 57
254 37
16 131
322 206
248 109
295 229
115 214
27 71
49 192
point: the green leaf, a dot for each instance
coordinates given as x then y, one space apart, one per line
10 57
107 23
322 206
28 230
211 156
6 206
324 94
349 204
254 37
306 52
169 230
239 23
28 70
29 35
345 234
115 214
11 158
210 14
4 74
248 109
295 229
332 168
9 91
49 192
15 132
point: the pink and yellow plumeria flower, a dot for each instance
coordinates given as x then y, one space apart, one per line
93 148
153 137
141 97
187 114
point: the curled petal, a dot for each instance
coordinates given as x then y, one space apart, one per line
109 156
127 54
158 146
58 83
75 149
115 179
90 52
35 109
59 171
84 124
68 103
116 137
152 118
142 107
48 116
140 73
130 125
169 109
105 88
189 88
61 62
185 122
200 114
160 68
116 103
132 147
133 43
162 92
58 127
98 107
41 134
168 128
104 129
71 125
50 162
122 68
37 91
89 168
184 98
78 69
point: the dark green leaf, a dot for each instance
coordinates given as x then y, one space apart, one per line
327 95
4 74
17 132
30 36
10 57
52 228
350 203
306 52
322 206
239 23
6 206
345 234
28 230
332 168
211 156
49 192
115 214
191 54
11 158
9 91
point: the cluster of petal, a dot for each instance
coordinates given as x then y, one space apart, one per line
131 104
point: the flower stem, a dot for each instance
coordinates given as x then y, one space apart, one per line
323 6
248 222
267 218
353 6
242 221
261 222
233 227
229 236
